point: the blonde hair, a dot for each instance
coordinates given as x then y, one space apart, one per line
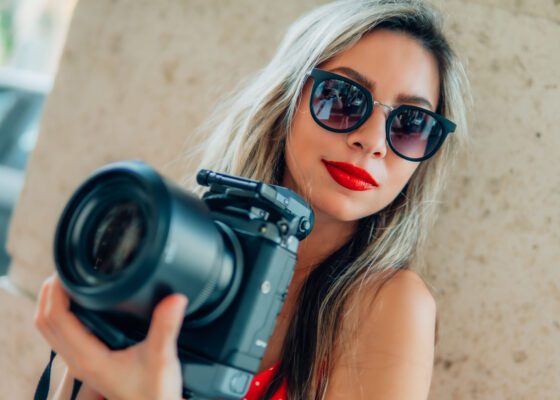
247 135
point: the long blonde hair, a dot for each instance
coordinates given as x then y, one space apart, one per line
247 135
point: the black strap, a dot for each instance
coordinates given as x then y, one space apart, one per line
42 391
44 382
75 389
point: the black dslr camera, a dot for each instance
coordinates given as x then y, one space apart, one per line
128 237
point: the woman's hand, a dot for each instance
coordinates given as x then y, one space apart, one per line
147 370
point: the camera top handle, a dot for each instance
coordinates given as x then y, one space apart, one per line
281 202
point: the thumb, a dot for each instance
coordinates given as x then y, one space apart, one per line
167 319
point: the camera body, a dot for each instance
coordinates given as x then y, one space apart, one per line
269 242
128 237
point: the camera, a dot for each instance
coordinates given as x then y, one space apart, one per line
128 237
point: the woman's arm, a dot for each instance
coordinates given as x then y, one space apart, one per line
394 352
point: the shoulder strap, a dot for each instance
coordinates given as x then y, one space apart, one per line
42 391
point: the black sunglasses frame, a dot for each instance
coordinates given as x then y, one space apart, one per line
320 76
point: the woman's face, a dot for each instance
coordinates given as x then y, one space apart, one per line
398 68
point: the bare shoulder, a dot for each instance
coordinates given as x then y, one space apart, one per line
407 289
394 343
403 315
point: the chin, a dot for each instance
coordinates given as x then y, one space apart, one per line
343 210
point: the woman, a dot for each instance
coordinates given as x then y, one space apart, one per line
357 322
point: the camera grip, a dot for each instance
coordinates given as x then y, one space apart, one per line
111 336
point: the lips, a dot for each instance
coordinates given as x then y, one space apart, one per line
350 176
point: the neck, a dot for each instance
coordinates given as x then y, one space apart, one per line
327 236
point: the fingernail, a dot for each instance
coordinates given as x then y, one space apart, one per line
183 302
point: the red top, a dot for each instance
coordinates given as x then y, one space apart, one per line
261 381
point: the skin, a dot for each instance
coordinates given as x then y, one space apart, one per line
396 341
393 354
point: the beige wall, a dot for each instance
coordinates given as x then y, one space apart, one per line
495 253
137 76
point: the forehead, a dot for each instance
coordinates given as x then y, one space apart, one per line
395 62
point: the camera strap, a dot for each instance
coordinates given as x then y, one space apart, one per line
42 391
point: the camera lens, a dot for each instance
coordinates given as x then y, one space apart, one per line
117 238
128 237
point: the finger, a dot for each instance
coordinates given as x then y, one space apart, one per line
40 318
76 341
57 303
166 324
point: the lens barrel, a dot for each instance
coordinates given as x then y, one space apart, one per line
128 237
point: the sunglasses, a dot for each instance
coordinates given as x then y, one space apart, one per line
341 105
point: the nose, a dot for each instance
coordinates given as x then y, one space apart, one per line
371 137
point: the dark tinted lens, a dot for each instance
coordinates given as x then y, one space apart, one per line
117 238
415 133
338 104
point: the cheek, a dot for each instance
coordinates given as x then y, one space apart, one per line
301 159
400 172
305 145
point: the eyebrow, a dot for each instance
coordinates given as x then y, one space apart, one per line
361 79
405 98
364 81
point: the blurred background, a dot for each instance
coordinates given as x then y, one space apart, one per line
90 82
32 34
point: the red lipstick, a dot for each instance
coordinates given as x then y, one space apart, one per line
350 176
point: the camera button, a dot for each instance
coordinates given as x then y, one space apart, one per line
239 383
